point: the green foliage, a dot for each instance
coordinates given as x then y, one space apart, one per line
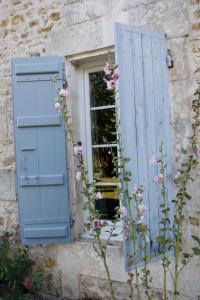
17 270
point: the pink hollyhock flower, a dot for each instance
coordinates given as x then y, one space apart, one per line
153 160
147 239
96 224
140 195
78 176
27 282
78 150
107 69
111 84
158 178
123 212
115 66
135 188
196 154
115 76
141 219
198 151
64 93
177 175
142 208
99 196
58 106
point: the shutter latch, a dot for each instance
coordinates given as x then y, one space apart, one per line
169 59
71 221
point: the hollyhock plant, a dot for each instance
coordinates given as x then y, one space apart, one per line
115 76
111 84
99 196
27 282
135 188
107 69
142 208
177 175
78 150
196 154
78 176
58 106
159 178
153 160
64 93
123 212
96 224
111 76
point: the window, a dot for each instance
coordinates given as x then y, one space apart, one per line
101 140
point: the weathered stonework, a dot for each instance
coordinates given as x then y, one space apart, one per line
69 27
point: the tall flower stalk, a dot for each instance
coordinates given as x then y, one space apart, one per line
134 229
182 196
89 191
163 239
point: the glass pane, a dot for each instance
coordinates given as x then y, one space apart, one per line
103 167
99 95
109 203
103 126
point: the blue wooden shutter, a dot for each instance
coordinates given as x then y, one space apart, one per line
144 114
40 151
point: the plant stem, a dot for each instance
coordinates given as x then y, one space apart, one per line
103 257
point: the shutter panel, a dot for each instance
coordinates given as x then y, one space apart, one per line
144 115
40 151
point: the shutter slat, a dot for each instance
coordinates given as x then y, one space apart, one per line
38 121
42 68
41 180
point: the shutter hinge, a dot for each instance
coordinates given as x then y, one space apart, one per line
71 222
169 59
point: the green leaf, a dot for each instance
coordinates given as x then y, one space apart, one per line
196 239
184 151
196 251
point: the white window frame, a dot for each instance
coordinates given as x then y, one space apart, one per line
85 133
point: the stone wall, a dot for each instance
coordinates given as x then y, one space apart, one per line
69 27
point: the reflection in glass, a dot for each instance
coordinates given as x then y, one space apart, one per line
103 167
103 126
109 203
99 95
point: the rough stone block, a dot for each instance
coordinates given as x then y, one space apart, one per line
55 16
17 19
4 22
197 13
45 29
196 26
33 23
15 2
162 16
85 10
1 221
194 2
7 186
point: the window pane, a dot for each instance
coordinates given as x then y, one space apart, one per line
103 126
109 203
99 95
103 167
